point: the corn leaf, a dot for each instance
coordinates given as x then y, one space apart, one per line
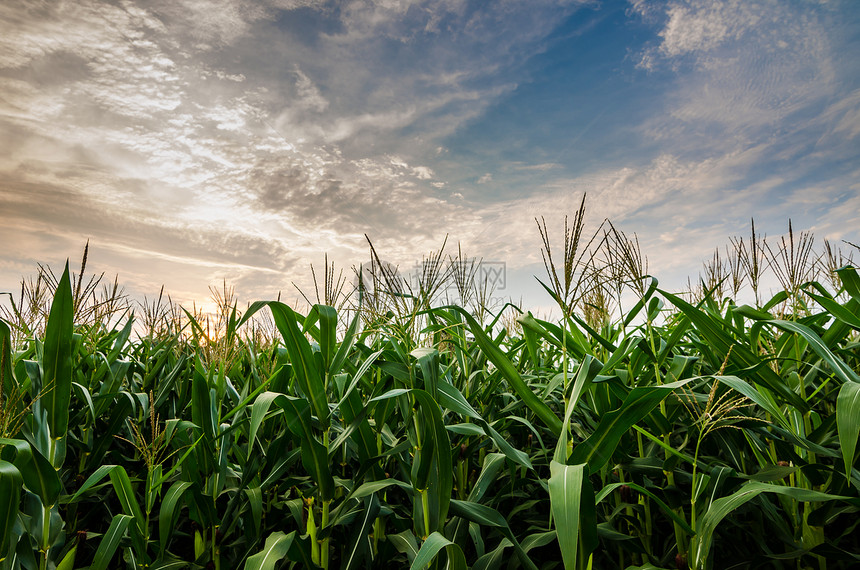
588 370
700 546
509 371
359 548
431 548
848 422
303 363
314 454
452 399
600 445
278 545
838 311
565 494
110 541
39 476
10 496
713 331
7 382
169 512
842 370
327 317
488 516
57 359
850 281
125 493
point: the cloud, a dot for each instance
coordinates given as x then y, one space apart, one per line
843 117
243 138
539 167
742 69
705 27
310 97
165 110
680 208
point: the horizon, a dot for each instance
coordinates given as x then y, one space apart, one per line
780 261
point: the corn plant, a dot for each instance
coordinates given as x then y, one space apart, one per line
399 430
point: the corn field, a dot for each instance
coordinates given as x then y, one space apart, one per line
682 431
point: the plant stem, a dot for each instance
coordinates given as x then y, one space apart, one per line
325 541
693 492
425 507
564 372
312 533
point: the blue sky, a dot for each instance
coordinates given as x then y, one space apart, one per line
194 141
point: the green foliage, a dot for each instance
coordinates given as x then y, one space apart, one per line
707 434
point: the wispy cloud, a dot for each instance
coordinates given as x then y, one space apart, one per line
743 69
161 125
241 138
681 209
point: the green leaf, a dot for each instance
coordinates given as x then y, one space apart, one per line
652 286
574 340
125 493
327 317
362 370
354 416
168 513
10 497
38 474
121 339
452 399
304 366
86 397
753 313
432 546
68 561
600 445
432 468
487 516
588 370
345 347
848 422
405 543
713 331
201 401
850 280
428 361
365 490
259 409
756 396
565 494
92 480
7 381
836 310
494 559
842 370
510 373
493 463
359 546
314 454
255 499
110 542
57 359
605 491
700 546
277 546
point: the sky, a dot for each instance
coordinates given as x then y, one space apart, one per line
194 142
